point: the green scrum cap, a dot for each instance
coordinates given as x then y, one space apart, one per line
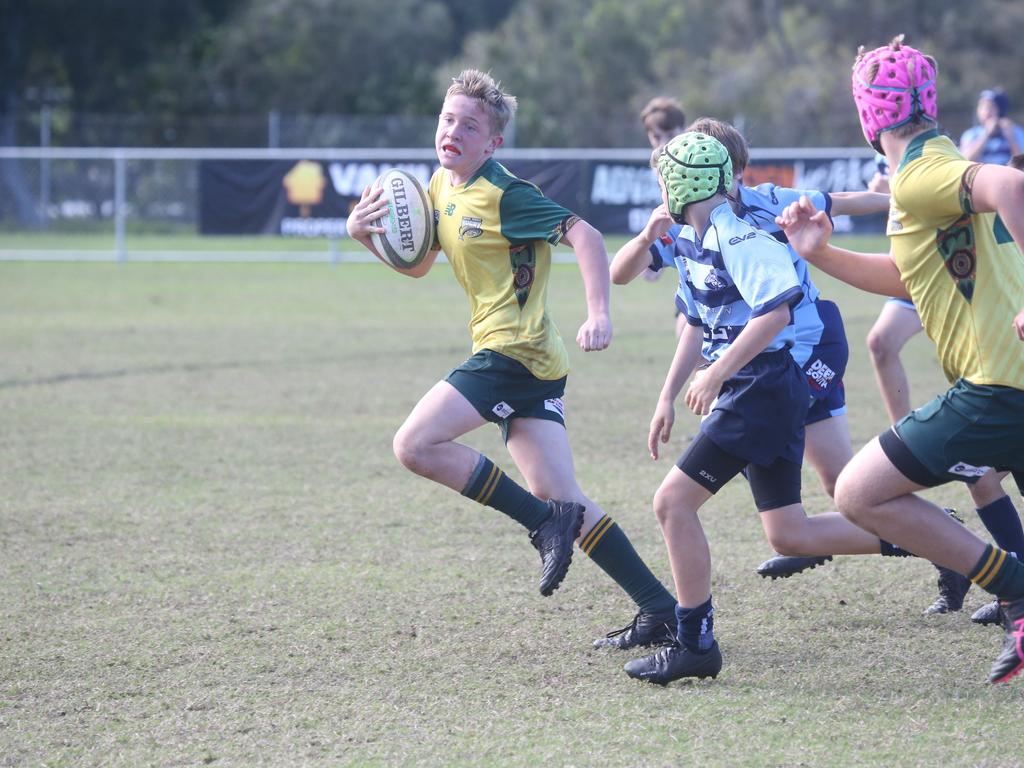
694 167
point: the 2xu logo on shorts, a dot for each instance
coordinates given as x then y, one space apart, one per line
967 470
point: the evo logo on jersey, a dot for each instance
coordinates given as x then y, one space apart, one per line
737 240
503 410
967 470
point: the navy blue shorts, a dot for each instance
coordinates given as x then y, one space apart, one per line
826 366
759 415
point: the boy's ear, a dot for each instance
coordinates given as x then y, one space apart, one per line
496 141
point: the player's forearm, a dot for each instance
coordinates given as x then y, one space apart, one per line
593 262
858 203
685 359
871 272
757 335
631 260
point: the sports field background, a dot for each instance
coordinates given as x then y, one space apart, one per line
209 556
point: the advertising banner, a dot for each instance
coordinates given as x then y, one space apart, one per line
312 198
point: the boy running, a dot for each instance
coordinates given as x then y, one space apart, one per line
954 229
737 290
497 231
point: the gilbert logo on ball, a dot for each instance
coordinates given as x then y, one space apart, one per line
409 222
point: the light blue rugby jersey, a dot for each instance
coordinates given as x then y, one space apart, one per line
759 206
734 274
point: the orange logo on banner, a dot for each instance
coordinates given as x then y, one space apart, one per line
305 185
779 175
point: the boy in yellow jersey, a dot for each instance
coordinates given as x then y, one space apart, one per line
955 229
497 231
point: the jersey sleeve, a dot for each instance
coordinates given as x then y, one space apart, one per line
527 215
662 250
785 195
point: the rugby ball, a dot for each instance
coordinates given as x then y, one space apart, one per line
409 223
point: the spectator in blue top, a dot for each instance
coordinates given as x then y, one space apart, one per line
996 138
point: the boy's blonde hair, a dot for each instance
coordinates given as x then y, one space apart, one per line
731 139
500 106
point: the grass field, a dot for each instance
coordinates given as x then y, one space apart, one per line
209 556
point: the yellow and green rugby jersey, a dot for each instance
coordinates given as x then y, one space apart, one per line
497 231
962 269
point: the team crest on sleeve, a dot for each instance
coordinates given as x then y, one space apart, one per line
524 270
956 245
471 227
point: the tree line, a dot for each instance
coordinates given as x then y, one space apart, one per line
582 68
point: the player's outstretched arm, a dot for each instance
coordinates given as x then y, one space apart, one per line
1018 324
634 257
596 332
858 203
808 231
683 362
363 220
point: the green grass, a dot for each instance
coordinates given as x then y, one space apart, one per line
208 554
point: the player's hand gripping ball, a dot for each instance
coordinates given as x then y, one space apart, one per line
409 222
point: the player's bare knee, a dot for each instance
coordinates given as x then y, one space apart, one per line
880 347
664 508
409 450
851 501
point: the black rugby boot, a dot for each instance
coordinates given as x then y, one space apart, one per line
952 589
645 630
554 541
674 663
784 566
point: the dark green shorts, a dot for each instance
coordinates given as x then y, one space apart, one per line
502 389
959 434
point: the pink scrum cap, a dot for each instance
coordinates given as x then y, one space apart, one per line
893 85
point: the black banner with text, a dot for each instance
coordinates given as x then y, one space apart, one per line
312 198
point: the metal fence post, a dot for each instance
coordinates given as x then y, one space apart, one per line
45 118
273 129
120 179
